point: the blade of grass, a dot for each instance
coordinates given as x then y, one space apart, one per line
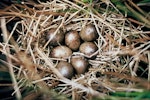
126 9
138 16
138 8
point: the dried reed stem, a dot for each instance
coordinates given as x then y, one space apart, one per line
5 37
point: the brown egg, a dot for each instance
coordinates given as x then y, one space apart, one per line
55 39
72 40
61 52
88 48
89 33
80 64
65 69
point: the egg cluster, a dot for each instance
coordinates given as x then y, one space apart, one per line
73 41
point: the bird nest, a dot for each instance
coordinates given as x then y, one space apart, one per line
121 62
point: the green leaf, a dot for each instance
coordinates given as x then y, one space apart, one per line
144 1
87 1
135 95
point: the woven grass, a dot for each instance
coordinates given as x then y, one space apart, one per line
122 63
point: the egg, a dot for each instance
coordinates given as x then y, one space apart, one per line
72 40
88 33
60 52
65 69
55 38
80 64
88 48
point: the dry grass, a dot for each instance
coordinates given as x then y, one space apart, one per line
123 49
